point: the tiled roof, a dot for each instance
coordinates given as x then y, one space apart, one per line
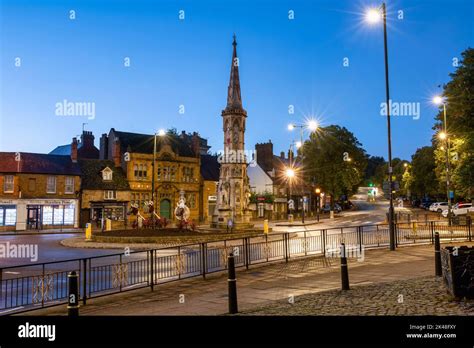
210 167
63 150
37 163
143 143
92 175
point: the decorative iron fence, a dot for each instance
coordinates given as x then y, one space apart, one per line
28 287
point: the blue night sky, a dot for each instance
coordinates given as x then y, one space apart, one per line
187 62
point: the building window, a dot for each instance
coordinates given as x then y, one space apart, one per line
188 174
135 171
107 174
140 171
51 184
191 200
158 174
110 194
8 184
47 215
58 215
7 215
69 186
69 214
173 173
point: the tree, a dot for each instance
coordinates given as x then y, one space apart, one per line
423 181
374 173
335 160
459 97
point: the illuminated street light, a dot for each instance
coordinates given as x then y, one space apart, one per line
298 144
443 135
373 16
290 173
160 133
405 164
312 125
291 127
438 100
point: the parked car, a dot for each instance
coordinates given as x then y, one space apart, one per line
459 209
425 204
439 207
327 208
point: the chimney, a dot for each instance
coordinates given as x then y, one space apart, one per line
87 140
196 143
290 155
74 150
116 153
282 155
104 146
265 156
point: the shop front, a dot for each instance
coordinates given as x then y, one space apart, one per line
38 214
116 211
7 215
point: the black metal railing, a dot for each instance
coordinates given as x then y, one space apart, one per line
27 287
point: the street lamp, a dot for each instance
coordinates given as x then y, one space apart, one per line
160 133
318 200
374 16
443 135
311 125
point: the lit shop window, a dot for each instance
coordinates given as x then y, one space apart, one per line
58 215
47 215
7 215
69 215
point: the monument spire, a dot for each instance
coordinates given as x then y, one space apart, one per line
234 100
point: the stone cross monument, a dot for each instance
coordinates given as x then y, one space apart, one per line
233 192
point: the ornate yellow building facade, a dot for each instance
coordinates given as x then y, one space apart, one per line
176 171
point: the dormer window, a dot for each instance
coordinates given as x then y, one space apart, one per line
107 174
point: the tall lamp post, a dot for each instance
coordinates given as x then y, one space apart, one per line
374 16
318 200
290 174
438 100
312 126
160 133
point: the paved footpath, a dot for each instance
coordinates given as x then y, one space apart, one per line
262 285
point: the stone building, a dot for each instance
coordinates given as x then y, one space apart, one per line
268 183
233 192
177 168
39 191
105 193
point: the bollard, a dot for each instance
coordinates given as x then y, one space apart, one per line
232 283
73 299
265 226
344 270
438 270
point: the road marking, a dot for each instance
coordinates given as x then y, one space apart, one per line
10 272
